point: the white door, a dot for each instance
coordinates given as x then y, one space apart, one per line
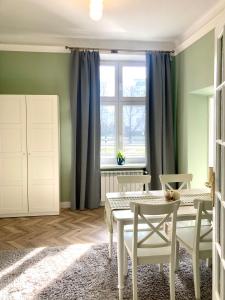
13 156
43 154
219 215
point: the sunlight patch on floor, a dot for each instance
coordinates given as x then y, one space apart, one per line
37 275
21 261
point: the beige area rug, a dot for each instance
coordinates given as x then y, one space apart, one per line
84 272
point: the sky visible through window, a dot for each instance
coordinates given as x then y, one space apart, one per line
134 79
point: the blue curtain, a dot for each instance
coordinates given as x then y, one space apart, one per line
85 114
159 117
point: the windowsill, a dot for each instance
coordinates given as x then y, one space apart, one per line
126 166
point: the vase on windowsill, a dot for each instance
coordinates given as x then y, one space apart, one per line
120 158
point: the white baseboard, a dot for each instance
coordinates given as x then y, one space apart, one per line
65 204
102 203
28 214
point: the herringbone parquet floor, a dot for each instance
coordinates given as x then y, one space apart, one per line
69 227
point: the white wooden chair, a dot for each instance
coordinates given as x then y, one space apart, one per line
183 179
126 182
134 183
153 246
198 240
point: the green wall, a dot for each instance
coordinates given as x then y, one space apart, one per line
194 71
42 73
48 73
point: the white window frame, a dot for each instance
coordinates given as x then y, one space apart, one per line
118 101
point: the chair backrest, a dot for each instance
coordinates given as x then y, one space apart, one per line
127 181
183 179
204 207
165 210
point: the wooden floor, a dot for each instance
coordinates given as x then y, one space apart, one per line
68 228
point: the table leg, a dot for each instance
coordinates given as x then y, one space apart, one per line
177 256
110 244
125 264
120 257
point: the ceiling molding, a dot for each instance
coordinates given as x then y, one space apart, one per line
200 28
33 48
89 43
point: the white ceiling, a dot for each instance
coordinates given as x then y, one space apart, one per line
62 21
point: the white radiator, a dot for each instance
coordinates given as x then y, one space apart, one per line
109 182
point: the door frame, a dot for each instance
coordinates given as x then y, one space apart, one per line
219 168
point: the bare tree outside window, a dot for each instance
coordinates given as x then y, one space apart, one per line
123 90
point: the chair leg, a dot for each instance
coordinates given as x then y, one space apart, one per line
177 256
172 280
196 272
125 265
160 267
209 262
134 279
110 244
120 259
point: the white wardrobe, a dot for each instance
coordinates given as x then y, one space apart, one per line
29 155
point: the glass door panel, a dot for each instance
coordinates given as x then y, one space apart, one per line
219 220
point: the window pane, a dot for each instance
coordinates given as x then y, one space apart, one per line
108 138
134 81
134 130
107 81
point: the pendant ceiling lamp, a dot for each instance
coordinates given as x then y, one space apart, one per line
96 9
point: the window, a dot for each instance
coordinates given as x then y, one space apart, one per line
123 91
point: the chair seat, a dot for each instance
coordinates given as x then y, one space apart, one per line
148 255
191 223
186 237
141 227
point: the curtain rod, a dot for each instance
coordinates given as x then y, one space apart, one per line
118 50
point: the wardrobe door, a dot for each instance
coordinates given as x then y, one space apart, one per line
13 156
43 154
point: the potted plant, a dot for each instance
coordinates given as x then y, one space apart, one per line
120 158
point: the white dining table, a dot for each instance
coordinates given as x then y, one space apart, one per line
122 215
